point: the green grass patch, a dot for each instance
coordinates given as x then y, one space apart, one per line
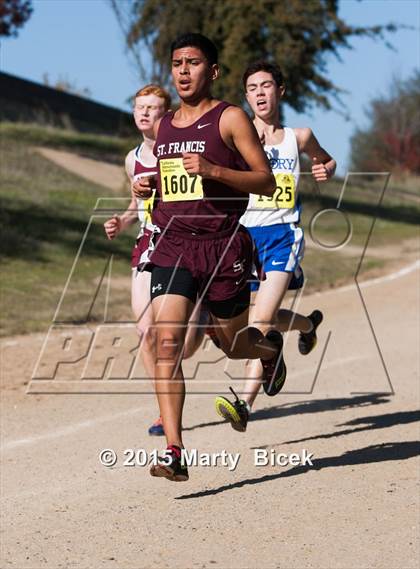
391 216
331 269
45 212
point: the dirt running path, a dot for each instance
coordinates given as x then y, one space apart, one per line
102 173
357 506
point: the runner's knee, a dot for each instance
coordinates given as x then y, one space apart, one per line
263 324
147 335
169 344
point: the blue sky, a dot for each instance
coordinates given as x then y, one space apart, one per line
80 40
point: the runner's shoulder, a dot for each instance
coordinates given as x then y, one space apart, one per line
303 135
129 162
233 111
131 154
234 116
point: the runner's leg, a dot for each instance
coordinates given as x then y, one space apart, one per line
143 313
265 305
264 314
239 341
195 331
171 314
288 320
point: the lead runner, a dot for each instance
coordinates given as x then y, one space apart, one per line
151 102
209 160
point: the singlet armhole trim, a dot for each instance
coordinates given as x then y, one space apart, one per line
293 134
139 160
221 137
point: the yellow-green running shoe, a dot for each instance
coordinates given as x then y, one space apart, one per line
236 413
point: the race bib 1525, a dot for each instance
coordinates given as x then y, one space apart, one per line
283 197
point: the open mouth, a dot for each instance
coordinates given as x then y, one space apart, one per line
261 103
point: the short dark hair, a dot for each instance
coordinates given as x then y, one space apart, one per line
197 40
262 65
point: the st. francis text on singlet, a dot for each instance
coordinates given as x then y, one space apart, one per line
179 147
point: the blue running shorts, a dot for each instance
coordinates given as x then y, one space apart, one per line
278 247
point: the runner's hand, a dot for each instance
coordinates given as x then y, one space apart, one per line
113 226
143 187
319 171
195 164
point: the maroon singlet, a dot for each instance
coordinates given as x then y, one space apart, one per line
221 206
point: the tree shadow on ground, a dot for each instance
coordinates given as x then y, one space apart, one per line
310 406
371 454
373 422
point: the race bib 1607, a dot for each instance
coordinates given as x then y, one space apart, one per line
177 184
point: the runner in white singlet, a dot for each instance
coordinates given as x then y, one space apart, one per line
274 225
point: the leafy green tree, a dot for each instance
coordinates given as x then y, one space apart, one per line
298 34
391 141
13 15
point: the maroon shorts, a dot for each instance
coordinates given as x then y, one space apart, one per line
221 263
140 253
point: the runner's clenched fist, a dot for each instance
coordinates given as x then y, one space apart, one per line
195 164
319 171
143 187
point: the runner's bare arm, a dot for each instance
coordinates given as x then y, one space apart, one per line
130 215
143 188
118 223
129 164
323 165
237 132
